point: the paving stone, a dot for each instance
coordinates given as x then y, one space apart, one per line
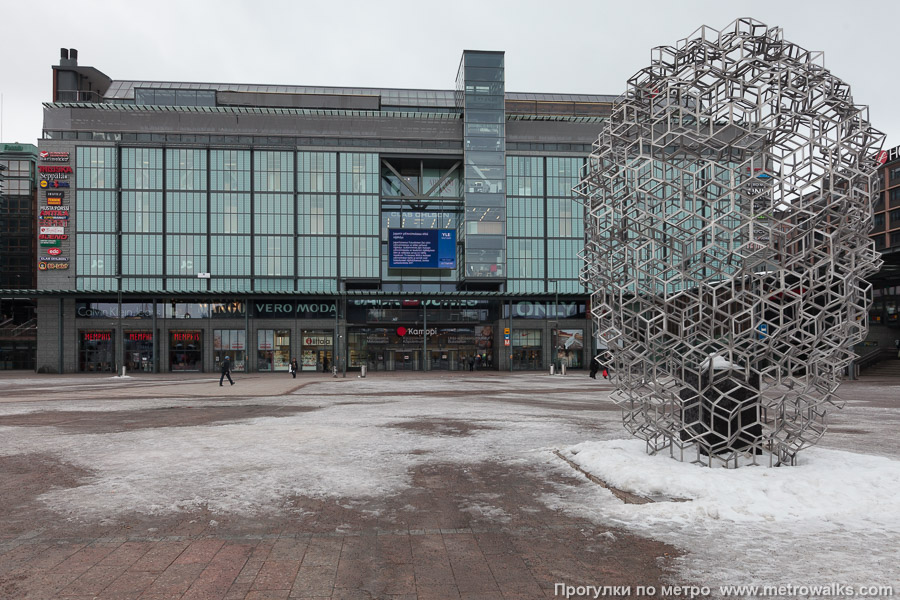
465 531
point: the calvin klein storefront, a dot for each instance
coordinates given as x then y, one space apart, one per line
261 335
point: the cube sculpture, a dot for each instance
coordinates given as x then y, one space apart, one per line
729 200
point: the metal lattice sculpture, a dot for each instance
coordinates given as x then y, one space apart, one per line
728 205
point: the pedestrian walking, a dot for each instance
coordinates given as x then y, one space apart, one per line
597 366
324 364
226 371
293 367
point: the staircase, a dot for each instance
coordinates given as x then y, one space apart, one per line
886 368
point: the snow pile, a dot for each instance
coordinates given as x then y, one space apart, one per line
830 518
825 486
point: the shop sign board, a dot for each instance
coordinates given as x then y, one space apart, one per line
96 336
185 336
46 156
306 309
54 169
52 266
50 244
45 183
52 230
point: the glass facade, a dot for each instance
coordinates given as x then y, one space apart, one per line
230 233
17 222
481 94
279 221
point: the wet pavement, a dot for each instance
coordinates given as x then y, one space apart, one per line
453 529
420 486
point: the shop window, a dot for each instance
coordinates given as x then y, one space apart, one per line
231 343
527 350
568 347
273 350
316 350
138 350
185 350
96 352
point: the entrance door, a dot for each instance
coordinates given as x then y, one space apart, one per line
442 360
323 361
406 360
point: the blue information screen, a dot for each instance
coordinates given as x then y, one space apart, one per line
422 248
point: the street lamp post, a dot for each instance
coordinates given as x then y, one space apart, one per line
120 336
555 330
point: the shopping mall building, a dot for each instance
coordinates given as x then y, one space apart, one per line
400 229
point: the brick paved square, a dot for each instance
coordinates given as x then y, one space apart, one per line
341 490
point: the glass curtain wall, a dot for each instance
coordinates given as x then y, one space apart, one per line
97 218
481 89
565 224
525 224
317 221
420 194
142 222
230 210
186 219
360 216
273 221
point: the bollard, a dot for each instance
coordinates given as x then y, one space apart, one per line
551 369
123 370
562 369
334 372
362 371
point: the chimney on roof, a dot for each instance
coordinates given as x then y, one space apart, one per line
68 57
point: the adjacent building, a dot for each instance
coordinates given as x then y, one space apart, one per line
884 316
17 255
394 229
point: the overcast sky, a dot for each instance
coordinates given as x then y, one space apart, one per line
563 46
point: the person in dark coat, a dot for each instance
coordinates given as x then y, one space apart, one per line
597 366
226 371
293 367
324 364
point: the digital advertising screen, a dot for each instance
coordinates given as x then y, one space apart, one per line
422 248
